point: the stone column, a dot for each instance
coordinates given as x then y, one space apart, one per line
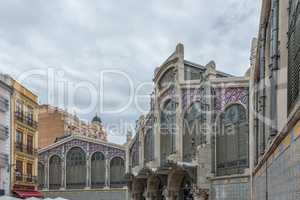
107 173
88 169
46 172
63 170
63 173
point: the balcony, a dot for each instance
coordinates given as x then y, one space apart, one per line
29 179
4 132
4 104
25 149
26 119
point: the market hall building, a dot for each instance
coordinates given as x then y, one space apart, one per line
79 167
194 141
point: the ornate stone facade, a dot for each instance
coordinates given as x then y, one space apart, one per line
188 137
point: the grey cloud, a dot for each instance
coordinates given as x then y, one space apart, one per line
82 38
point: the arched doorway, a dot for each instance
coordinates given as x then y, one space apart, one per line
98 170
154 190
76 169
55 172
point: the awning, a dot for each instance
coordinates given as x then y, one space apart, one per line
23 194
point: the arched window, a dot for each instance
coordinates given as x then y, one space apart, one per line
135 152
41 175
194 130
55 171
167 79
98 170
232 141
168 129
149 145
117 172
76 169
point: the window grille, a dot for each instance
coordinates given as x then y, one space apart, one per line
232 141
76 169
149 145
98 170
194 130
55 171
117 172
168 129
294 53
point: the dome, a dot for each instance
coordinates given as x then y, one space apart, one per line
97 119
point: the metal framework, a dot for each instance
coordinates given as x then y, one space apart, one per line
294 53
76 169
98 170
194 130
55 171
117 172
232 141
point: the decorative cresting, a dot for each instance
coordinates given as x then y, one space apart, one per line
41 175
98 170
194 124
226 96
232 141
167 129
76 168
117 172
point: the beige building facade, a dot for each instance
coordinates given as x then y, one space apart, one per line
55 123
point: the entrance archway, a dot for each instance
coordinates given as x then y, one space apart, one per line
138 189
154 188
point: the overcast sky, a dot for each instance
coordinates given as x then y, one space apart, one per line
74 41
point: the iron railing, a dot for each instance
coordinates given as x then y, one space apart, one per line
26 119
20 147
26 178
